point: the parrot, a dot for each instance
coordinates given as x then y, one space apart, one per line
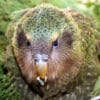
51 46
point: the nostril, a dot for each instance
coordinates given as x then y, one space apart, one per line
45 59
40 57
36 60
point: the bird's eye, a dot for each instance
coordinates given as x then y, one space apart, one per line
55 43
28 44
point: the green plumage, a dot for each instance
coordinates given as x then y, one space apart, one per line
48 20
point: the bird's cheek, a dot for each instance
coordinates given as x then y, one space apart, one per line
25 63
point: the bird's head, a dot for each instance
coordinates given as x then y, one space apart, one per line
46 44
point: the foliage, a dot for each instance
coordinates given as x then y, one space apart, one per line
96 90
8 89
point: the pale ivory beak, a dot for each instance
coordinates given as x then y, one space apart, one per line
41 67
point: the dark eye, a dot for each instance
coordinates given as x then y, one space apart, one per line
28 44
55 43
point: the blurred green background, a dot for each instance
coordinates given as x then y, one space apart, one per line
89 7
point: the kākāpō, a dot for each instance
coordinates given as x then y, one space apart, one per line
51 46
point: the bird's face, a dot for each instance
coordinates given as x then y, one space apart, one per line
44 48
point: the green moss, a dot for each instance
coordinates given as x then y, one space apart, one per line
8 88
96 90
